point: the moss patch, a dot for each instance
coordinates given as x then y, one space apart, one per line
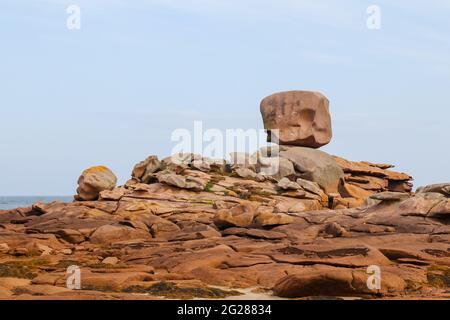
106 288
209 186
16 270
439 276
64 264
413 286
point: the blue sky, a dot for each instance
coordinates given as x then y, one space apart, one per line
112 92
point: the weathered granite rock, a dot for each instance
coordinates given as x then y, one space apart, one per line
374 177
285 169
443 188
316 166
93 181
334 229
247 173
239 216
110 260
441 210
335 283
143 170
183 182
70 235
301 117
108 234
420 204
272 219
112 195
287 184
390 196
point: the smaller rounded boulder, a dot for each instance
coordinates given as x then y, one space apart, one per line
93 181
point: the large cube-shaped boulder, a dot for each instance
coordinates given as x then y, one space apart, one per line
301 117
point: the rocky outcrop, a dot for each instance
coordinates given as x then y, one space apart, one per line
93 181
183 226
302 118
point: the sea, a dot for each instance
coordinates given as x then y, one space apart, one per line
7 203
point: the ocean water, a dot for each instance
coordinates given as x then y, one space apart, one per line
7 203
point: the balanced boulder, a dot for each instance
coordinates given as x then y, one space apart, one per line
302 118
